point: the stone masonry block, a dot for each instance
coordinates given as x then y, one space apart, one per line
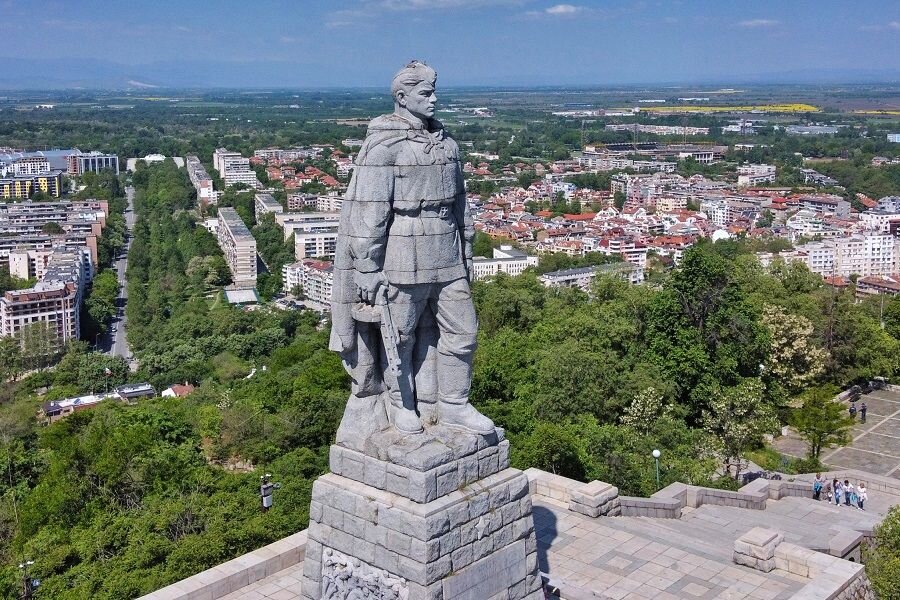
462 536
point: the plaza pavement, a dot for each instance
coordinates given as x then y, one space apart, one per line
875 445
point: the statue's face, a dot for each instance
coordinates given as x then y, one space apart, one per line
420 100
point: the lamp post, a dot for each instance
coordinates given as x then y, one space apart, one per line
266 489
27 584
656 454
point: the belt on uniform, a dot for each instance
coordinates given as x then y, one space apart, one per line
427 212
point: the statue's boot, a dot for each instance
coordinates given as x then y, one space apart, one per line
403 418
458 413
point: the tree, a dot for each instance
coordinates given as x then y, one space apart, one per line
821 421
51 228
645 410
619 200
794 361
10 358
737 418
882 559
766 218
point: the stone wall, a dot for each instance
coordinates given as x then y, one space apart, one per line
476 542
235 574
830 577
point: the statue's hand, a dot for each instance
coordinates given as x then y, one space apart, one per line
368 285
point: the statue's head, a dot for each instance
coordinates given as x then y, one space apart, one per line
413 90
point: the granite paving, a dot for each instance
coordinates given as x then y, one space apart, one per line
284 585
641 558
635 558
875 444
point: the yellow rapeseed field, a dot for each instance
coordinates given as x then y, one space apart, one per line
877 112
767 108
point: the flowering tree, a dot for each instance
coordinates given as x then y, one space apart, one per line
736 419
645 409
793 361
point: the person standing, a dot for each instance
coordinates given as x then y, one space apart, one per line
861 495
850 498
862 412
838 491
852 411
818 484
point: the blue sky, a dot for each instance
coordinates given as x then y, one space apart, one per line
311 43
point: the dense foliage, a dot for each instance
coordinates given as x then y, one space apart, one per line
883 558
588 384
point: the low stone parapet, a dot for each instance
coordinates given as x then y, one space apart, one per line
549 485
595 499
235 574
756 549
847 545
660 508
831 578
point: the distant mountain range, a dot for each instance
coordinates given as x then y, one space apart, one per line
34 74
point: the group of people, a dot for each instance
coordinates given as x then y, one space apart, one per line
841 493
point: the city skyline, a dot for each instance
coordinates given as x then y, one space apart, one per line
356 43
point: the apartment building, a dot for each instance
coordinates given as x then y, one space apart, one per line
298 202
316 242
234 168
31 165
583 277
329 203
873 286
315 277
54 301
266 203
865 255
505 259
292 223
200 179
26 186
22 226
238 246
750 175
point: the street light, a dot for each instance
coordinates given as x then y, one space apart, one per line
28 584
656 454
266 489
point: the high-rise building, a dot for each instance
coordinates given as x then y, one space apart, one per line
234 168
238 246
200 179
54 302
266 203
315 277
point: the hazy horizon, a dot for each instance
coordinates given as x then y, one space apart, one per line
472 43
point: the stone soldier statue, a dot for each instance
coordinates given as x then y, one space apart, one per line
405 253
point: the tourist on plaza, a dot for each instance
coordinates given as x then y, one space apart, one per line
849 494
818 484
862 412
861 495
838 488
852 411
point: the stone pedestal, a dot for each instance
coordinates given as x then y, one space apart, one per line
447 519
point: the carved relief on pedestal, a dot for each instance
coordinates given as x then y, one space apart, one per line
348 578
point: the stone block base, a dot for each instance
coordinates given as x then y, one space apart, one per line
475 543
756 549
595 499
